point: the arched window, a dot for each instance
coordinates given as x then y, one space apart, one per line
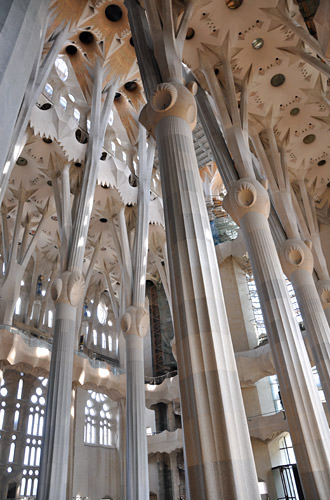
50 319
104 341
61 69
94 337
76 114
111 118
63 102
18 306
102 313
49 89
100 418
35 428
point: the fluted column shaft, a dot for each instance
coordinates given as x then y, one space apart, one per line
21 35
316 323
248 203
55 452
218 451
297 263
136 440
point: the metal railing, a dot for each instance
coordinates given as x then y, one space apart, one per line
158 380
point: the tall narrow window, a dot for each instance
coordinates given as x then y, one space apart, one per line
35 428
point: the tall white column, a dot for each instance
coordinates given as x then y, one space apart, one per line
55 453
219 457
297 263
67 292
21 36
135 325
248 203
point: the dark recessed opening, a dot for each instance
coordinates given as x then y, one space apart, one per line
71 50
132 180
103 156
103 219
233 4
277 80
216 71
131 41
130 86
47 140
309 139
190 33
86 37
45 106
104 186
117 96
114 13
81 136
49 183
294 111
77 164
21 161
328 185
321 163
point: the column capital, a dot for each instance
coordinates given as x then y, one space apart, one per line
68 288
245 196
296 254
323 287
170 99
135 321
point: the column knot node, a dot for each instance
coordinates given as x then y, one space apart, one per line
135 321
68 288
244 196
295 254
170 99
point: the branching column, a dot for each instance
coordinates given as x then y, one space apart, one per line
218 450
295 256
67 292
219 459
248 203
135 325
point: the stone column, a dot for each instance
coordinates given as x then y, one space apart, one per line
55 452
171 426
21 32
134 324
175 476
218 449
248 204
297 263
67 292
